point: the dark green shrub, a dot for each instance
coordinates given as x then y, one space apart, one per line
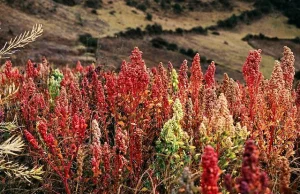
296 40
154 29
182 51
95 4
199 30
149 16
142 7
265 6
134 33
247 37
88 40
68 2
177 8
190 52
131 3
179 31
172 47
216 33
228 23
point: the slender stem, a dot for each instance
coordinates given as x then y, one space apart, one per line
67 188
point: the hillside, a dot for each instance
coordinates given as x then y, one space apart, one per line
63 25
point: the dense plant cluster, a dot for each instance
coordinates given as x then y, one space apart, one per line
156 130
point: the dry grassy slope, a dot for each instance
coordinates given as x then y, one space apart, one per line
125 16
233 54
64 24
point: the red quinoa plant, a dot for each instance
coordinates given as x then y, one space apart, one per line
107 132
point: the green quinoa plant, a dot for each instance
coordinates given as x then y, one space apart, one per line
172 147
54 83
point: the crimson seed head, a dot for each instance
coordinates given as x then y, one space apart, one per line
211 171
31 139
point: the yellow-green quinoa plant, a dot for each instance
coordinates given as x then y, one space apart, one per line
172 148
54 83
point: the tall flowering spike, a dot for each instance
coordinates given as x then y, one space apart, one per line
188 117
164 75
157 92
136 56
80 158
211 171
287 66
165 81
28 88
111 90
96 132
172 145
183 82
285 174
11 74
120 148
170 67
253 180
31 139
209 101
133 78
8 70
135 149
251 72
232 93
121 140
253 78
177 110
223 108
156 86
48 138
31 70
225 83
96 149
79 67
100 97
276 83
95 160
62 109
138 70
123 78
210 75
196 77
106 157
79 127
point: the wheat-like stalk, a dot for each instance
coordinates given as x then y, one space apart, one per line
20 171
12 146
8 93
8 127
21 40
